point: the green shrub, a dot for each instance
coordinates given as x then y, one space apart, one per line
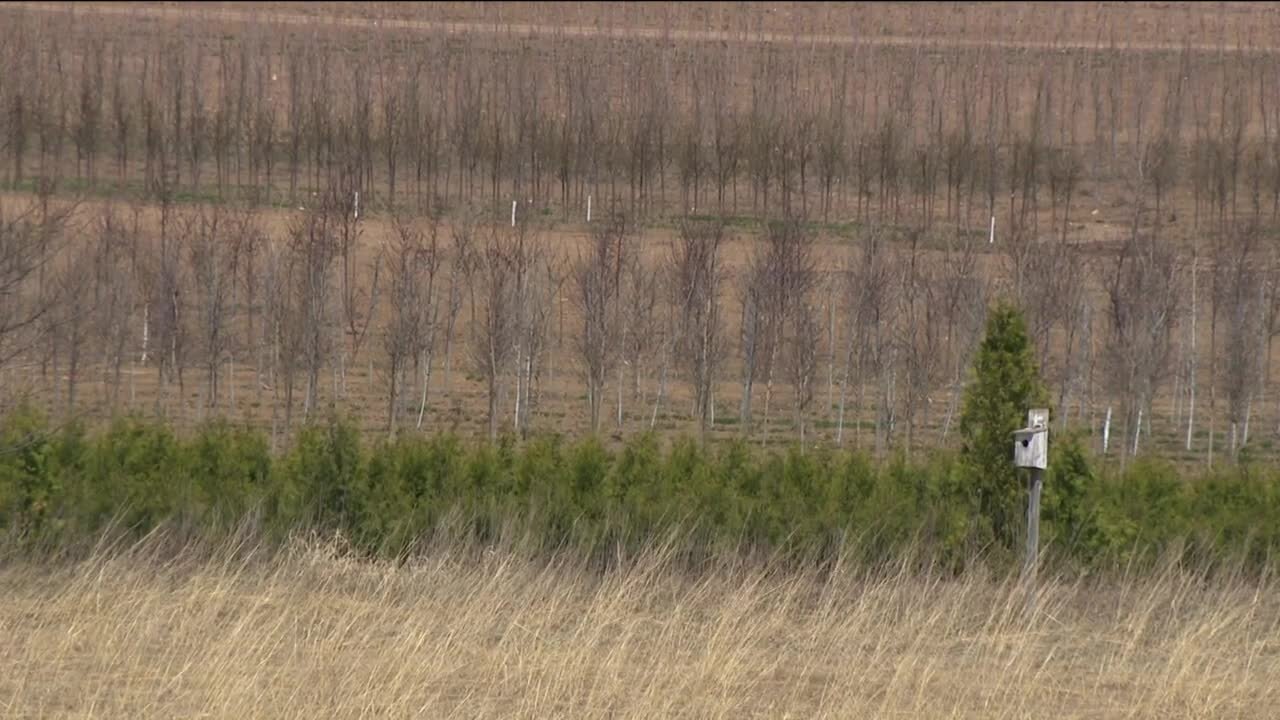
1138 512
230 470
1234 516
631 494
409 484
61 485
29 483
317 478
1067 523
132 474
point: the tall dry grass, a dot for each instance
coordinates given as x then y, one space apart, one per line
310 631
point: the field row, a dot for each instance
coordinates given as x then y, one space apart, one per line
862 337
433 120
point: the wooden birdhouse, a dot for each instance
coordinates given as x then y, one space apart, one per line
1031 443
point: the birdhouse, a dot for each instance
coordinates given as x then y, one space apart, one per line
1031 443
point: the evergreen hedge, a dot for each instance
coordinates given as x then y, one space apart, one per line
62 486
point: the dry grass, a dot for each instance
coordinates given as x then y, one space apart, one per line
312 633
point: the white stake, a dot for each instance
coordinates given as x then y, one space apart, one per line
1106 432
992 241
146 313
1191 403
588 208
1244 438
1137 434
357 205
513 213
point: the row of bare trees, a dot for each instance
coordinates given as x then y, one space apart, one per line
784 335
894 133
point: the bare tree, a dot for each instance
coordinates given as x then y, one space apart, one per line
212 250
963 301
1071 284
781 278
54 111
122 115
466 130
262 124
888 150
545 278
165 320
643 334
464 259
1065 167
697 272
727 135
1244 343
29 240
500 277
321 116
114 296
283 326
413 259
88 123
152 121
197 120
598 283
805 337
919 336
1144 294
359 290
764 129
70 319
392 125
831 152
959 153
1160 170
296 78
173 78
252 247
690 158
312 252
873 275
751 336
1048 279
227 117
17 108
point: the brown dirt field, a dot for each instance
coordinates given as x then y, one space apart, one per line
1101 216
1138 26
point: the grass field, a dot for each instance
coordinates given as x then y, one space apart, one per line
309 632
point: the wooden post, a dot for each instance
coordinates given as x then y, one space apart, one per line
1035 484
1031 451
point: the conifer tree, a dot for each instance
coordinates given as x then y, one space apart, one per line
1004 384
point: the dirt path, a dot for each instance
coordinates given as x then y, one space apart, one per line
275 17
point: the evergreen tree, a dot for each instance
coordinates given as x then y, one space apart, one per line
1005 383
